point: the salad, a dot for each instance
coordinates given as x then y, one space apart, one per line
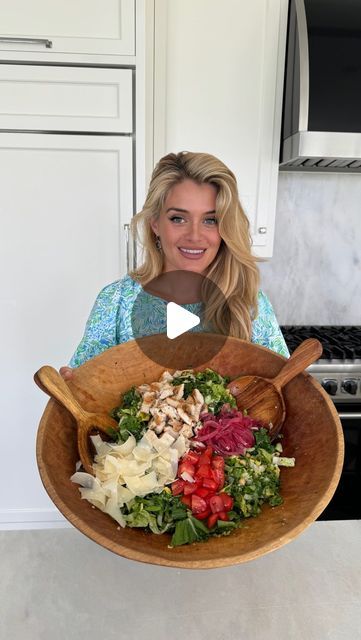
183 460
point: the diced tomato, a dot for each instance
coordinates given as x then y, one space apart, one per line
204 459
209 451
187 467
218 476
204 471
202 492
218 462
227 501
203 515
192 457
190 487
222 515
198 504
187 500
177 487
212 520
216 504
209 483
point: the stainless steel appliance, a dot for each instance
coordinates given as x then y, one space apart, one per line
321 127
339 372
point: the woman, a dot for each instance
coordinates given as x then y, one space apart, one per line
192 220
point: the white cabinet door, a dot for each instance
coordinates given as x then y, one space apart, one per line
63 203
65 26
223 80
58 98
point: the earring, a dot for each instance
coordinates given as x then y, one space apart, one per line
158 243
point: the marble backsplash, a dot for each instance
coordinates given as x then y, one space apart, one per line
314 276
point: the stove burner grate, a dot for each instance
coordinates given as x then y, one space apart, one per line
339 342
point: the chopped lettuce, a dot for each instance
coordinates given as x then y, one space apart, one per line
159 512
189 530
131 421
211 385
254 478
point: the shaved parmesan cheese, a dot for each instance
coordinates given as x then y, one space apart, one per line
186 476
130 469
166 440
180 446
101 447
124 495
142 485
112 509
143 453
98 497
133 467
126 448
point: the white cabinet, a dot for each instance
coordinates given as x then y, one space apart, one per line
68 27
75 150
63 202
223 69
58 98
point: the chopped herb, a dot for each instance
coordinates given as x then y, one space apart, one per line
254 479
131 421
211 385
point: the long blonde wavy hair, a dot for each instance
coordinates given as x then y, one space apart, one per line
232 304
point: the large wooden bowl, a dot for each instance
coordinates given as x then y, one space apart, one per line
312 434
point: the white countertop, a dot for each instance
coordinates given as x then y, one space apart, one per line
58 584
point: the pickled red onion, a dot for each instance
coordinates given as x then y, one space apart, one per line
229 433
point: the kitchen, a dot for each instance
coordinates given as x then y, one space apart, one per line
313 278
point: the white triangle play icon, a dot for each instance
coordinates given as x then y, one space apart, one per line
179 320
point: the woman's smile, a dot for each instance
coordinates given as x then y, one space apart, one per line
192 254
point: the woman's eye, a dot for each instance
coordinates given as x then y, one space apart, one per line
177 219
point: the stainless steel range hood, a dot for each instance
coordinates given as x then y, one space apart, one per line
321 128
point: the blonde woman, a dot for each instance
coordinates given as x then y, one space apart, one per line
192 220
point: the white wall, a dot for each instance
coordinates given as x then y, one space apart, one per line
314 276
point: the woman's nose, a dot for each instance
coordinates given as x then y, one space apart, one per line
194 231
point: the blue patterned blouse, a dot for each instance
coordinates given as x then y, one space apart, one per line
110 323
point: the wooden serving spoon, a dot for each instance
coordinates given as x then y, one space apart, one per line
262 397
51 382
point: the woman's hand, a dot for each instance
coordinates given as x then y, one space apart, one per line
66 373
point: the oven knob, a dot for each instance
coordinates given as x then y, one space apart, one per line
350 386
330 386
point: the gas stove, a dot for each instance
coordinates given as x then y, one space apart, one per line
339 368
339 372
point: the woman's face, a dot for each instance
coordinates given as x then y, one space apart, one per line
187 227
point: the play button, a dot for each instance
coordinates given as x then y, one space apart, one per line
172 311
179 320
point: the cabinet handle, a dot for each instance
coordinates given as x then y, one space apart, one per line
48 43
127 242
